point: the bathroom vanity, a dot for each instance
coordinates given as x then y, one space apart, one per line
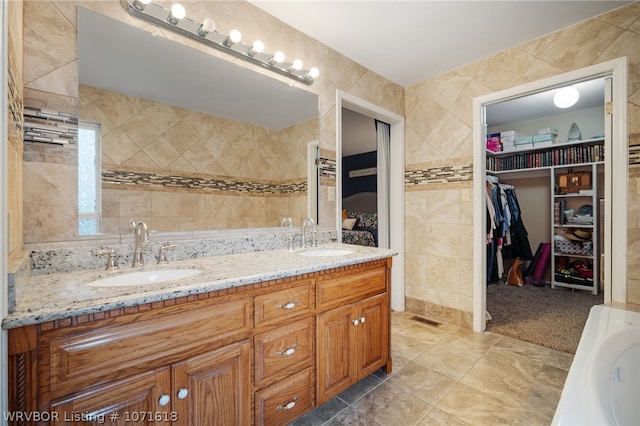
256 338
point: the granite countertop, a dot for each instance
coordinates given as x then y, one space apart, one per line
50 297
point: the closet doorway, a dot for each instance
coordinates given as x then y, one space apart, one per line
393 201
614 185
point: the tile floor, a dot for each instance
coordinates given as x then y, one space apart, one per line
451 376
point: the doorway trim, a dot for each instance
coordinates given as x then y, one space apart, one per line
616 180
313 181
396 183
4 207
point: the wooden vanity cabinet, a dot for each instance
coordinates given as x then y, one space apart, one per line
353 341
262 354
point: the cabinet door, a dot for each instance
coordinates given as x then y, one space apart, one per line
213 388
336 348
139 400
373 334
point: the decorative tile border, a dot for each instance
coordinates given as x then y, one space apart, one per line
328 167
54 127
444 174
634 155
153 180
14 94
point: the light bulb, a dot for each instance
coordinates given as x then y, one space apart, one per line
297 65
277 57
235 36
566 97
140 4
314 72
258 47
207 26
177 13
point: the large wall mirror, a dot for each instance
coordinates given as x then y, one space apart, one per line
182 139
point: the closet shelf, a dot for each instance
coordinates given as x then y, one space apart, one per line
592 141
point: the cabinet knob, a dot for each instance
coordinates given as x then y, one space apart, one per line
182 393
289 405
356 322
289 305
164 400
362 319
288 352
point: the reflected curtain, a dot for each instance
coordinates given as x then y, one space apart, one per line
383 138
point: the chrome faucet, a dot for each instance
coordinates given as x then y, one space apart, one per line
142 237
289 238
286 221
303 243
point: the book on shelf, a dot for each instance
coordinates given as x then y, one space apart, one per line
560 156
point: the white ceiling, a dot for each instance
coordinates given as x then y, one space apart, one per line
411 41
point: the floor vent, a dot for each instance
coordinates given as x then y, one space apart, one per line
426 321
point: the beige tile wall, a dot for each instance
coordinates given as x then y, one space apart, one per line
14 128
438 133
146 136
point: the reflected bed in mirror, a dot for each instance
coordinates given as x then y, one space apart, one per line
188 141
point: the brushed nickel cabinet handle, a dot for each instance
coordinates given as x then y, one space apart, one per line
289 305
288 352
289 405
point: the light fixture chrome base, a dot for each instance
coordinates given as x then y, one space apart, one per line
158 15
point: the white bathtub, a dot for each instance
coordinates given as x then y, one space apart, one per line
603 384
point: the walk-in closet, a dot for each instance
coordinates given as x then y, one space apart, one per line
544 222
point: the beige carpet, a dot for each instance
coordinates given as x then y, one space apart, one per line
551 318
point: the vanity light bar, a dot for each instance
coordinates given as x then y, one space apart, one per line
157 15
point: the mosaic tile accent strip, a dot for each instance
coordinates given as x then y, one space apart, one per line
50 126
445 174
634 155
14 103
128 178
327 167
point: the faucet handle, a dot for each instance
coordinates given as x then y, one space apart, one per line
112 262
162 257
289 238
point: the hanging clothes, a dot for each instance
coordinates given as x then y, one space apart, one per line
506 235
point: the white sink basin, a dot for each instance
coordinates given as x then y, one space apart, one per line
325 252
144 277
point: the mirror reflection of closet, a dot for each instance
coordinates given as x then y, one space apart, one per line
531 115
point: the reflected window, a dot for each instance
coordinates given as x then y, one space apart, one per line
89 173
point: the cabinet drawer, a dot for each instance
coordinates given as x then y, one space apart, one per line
282 351
288 303
285 401
351 287
107 353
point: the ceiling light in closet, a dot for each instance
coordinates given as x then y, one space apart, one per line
566 97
